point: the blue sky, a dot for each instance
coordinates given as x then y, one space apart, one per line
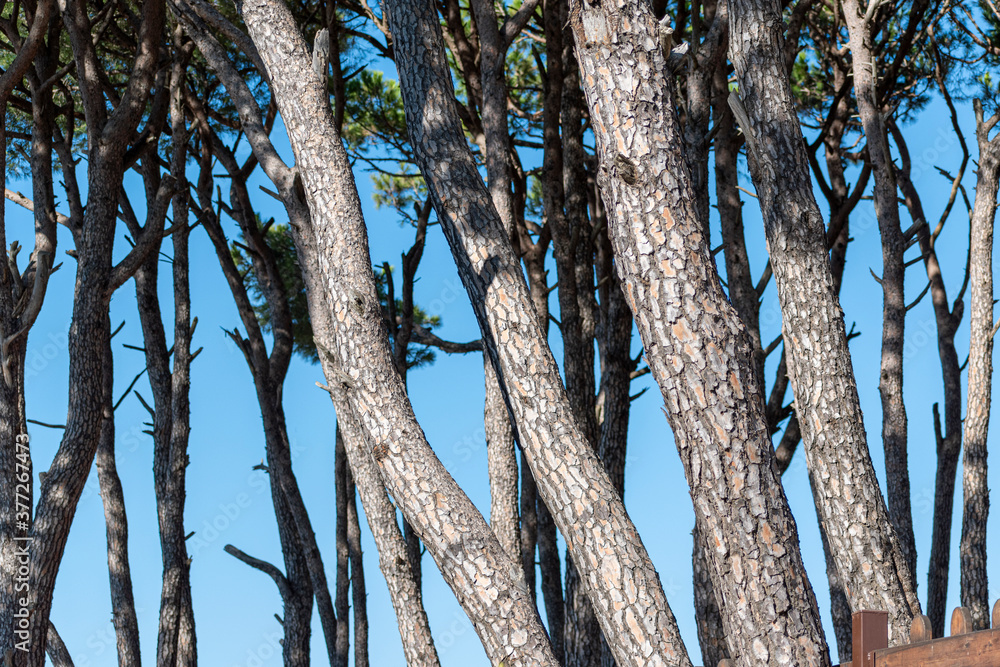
228 503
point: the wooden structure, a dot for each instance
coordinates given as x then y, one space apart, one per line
964 648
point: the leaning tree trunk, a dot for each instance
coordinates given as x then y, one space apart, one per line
893 276
875 573
403 584
975 593
697 347
472 561
600 537
16 473
123 612
96 280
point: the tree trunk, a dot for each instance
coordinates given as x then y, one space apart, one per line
975 593
581 632
359 359
176 643
601 537
502 464
403 584
16 473
500 448
893 275
418 643
96 279
342 598
696 345
357 578
708 616
949 442
122 600
875 574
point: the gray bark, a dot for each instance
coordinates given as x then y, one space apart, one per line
359 359
870 108
601 537
696 345
874 571
342 596
975 489
358 592
123 612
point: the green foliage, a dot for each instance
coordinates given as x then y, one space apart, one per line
416 355
376 124
279 240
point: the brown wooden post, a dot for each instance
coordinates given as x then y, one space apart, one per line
920 629
996 615
869 632
961 621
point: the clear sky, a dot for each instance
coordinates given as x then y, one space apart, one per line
229 503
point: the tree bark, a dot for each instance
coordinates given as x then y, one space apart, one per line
870 109
122 599
471 559
975 489
96 279
56 649
696 345
502 464
342 599
708 616
359 595
600 536
875 574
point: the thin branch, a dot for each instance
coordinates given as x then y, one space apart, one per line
38 423
24 202
918 299
284 588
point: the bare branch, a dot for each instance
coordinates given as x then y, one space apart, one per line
24 202
284 588
152 234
